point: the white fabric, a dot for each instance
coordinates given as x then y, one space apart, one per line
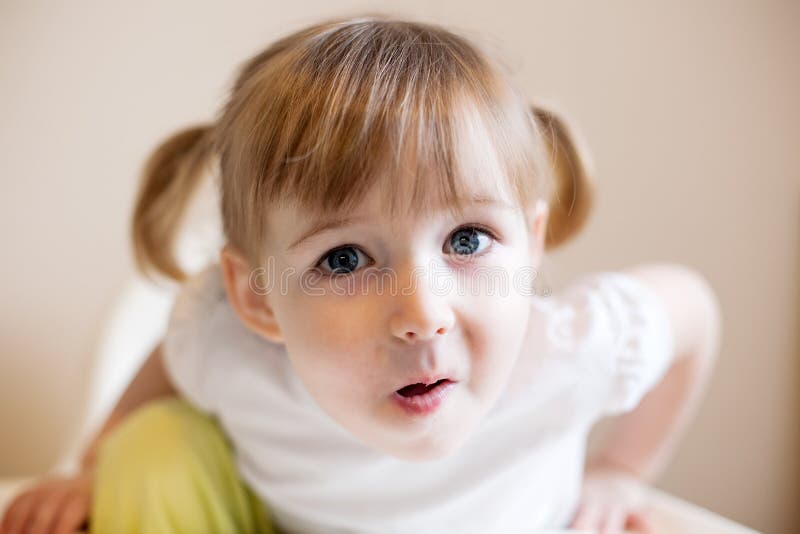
598 347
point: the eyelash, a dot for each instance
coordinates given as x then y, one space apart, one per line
472 226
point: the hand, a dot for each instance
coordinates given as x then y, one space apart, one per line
52 506
611 503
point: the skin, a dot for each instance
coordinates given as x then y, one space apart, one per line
353 346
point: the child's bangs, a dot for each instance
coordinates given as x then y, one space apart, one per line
430 124
421 160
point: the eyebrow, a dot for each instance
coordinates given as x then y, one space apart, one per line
339 222
323 226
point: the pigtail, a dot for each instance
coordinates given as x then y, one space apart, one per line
573 188
170 177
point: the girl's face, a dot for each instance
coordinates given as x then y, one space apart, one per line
370 305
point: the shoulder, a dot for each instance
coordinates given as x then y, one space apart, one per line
687 298
207 348
616 336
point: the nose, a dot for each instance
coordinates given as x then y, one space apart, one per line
420 312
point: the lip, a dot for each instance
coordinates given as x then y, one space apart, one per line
427 379
425 403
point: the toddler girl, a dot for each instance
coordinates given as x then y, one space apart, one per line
372 353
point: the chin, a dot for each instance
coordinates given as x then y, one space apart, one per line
427 451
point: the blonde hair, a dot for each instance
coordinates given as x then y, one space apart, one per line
322 115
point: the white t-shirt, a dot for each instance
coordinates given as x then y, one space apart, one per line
600 345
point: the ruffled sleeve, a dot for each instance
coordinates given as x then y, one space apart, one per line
190 332
618 332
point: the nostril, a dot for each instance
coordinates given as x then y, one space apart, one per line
412 335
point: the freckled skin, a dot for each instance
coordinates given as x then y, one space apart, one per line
350 346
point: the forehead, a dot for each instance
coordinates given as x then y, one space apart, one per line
290 224
426 184
409 196
442 172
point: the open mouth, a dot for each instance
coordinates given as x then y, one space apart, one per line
412 390
422 399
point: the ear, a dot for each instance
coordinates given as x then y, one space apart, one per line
538 218
251 305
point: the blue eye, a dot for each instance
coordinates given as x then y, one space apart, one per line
469 240
342 260
466 241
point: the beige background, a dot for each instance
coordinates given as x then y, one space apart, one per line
690 109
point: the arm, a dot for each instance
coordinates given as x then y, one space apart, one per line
149 383
642 440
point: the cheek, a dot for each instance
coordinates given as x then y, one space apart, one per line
496 327
331 324
329 342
